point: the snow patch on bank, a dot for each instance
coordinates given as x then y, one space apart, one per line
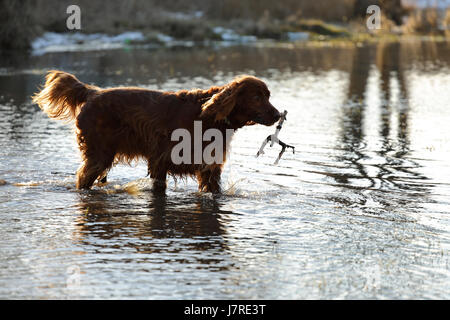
231 36
77 41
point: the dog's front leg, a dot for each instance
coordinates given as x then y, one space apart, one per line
209 179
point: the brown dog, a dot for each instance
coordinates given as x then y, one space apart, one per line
123 124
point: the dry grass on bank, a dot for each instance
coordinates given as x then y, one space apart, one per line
428 21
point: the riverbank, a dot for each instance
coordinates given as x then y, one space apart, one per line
26 25
220 37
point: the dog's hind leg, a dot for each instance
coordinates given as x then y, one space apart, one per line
91 170
103 177
159 177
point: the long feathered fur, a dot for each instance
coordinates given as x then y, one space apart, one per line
63 95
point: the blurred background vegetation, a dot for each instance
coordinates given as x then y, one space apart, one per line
21 21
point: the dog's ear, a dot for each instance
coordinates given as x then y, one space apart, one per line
219 106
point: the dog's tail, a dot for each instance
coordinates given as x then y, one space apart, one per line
63 95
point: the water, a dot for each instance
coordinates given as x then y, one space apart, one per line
361 210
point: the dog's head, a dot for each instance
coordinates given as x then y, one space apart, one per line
244 101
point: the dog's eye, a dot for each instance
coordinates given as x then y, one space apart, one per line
257 98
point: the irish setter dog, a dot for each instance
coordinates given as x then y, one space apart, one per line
126 123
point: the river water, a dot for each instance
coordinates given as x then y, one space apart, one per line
360 211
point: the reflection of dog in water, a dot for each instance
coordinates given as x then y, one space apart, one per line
153 217
124 124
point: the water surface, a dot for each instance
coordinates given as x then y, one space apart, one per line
361 210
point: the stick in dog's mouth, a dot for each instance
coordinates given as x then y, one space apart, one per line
273 138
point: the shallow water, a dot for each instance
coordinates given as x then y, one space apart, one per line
361 210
